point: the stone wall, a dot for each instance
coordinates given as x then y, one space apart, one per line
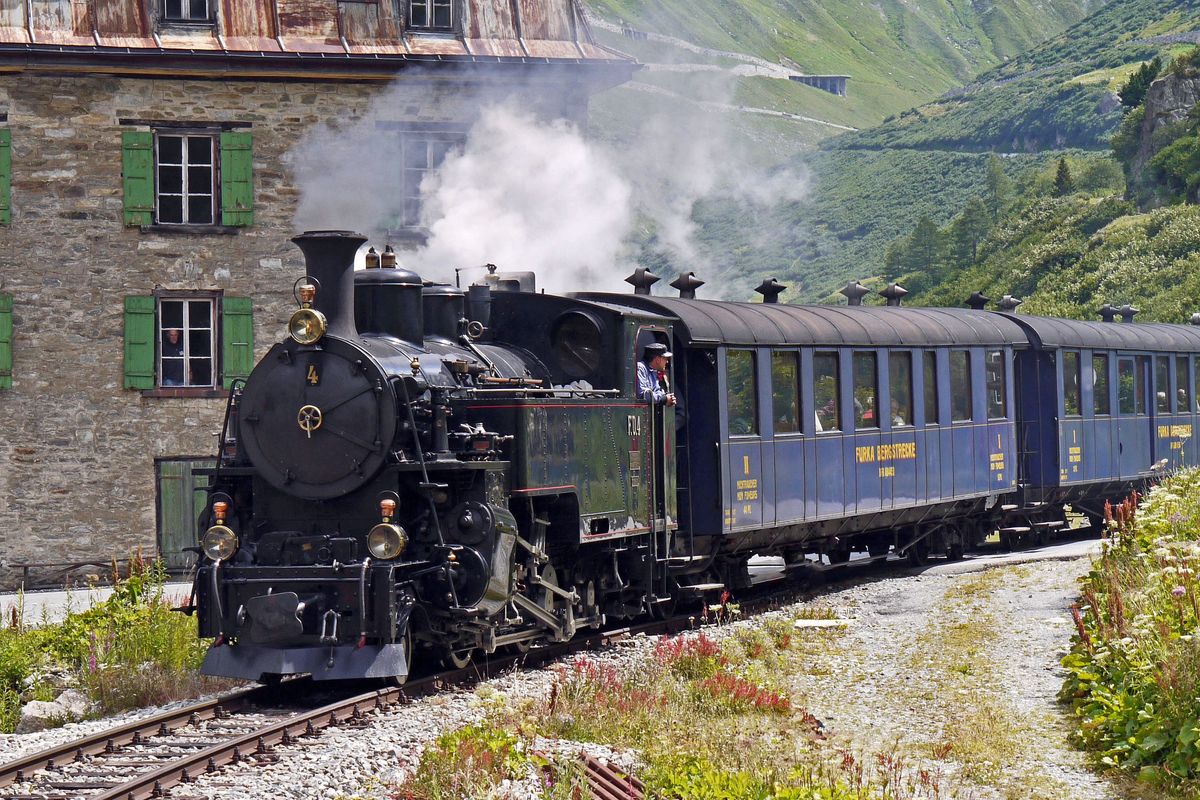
76 449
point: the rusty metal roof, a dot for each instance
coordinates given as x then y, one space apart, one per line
524 31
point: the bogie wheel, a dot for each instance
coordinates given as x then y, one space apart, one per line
955 550
918 554
839 556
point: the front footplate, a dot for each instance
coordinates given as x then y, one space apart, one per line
324 663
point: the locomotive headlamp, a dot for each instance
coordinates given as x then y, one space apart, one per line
386 541
219 543
307 325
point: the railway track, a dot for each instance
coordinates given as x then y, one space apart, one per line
144 759
148 757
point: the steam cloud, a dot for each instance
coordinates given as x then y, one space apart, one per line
530 195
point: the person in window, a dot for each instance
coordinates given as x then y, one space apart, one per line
899 415
652 383
172 357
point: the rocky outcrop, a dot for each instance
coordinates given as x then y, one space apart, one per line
1169 100
38 715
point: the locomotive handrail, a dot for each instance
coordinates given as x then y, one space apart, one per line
510 390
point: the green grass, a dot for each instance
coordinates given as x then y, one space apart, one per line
131 650
1134 668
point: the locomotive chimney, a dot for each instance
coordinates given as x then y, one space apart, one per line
854 292
894 293
978 301
770 289
687 284
329 260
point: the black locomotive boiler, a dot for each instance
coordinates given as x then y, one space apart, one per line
422 472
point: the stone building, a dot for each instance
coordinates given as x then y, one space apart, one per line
146 207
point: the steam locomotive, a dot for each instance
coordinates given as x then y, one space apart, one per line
422 472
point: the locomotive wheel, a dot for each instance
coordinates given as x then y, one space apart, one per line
458 659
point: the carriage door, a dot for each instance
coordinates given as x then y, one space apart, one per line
1136 424
743 440
660 441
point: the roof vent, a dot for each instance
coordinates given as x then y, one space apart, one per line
854 293
894 293
1009 303
1127 312
641 280
687 284
770 289
1107 313
978 301
1195 320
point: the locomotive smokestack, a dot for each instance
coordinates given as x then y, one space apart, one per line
329 258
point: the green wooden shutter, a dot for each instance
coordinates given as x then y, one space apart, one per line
6 337
137 169
237 179
5 176
139 342
237 337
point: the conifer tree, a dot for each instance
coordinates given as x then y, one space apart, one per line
1064 184
1134 91
999 187
925 248
967 231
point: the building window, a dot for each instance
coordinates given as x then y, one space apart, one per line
743 393
185 172
431 14
179 343
422 153
185 337
186 11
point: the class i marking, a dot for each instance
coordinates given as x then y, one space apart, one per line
746 465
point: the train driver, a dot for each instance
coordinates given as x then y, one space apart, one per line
652 382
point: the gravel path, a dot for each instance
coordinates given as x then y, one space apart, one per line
957 672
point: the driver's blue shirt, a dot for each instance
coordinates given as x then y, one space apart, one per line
648 386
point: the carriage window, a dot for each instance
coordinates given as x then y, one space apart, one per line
785 392
960 386
997 388
743 392
1100 401
826 393
1162 384
1143 376
866 391
1127 388
900 379
1183 402
931 385
1070 379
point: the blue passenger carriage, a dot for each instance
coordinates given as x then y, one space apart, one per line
832 428
1105 407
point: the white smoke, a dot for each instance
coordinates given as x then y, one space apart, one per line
524 194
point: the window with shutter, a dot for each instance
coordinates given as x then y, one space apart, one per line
139 342
6 339
237 179
137 171
237 335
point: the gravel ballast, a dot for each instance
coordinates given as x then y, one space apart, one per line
923 654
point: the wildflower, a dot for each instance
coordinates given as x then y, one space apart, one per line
1178 591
